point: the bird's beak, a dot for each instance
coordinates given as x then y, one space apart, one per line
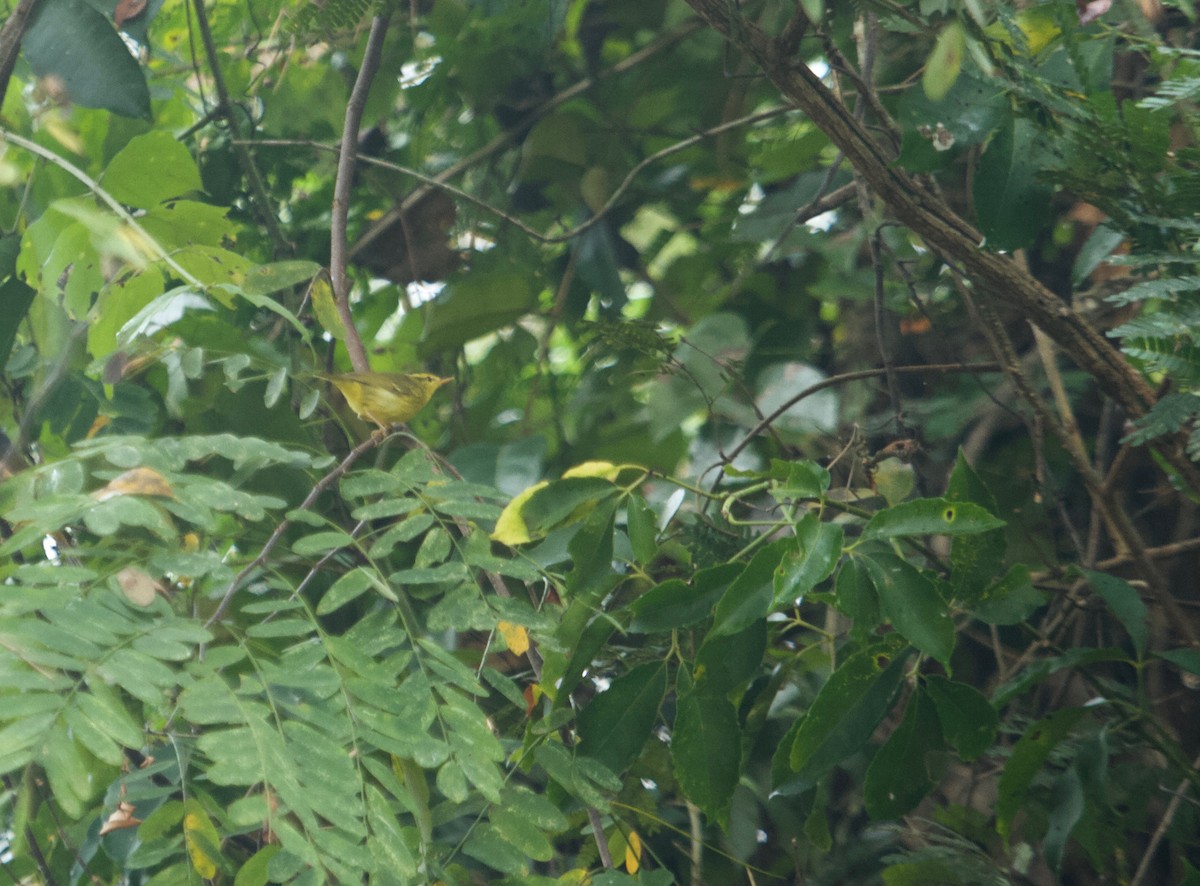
442 381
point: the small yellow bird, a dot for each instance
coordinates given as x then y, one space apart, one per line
386 398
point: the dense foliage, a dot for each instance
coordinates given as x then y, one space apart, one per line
815 500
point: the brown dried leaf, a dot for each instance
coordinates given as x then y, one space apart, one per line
139 587
121 818
127 9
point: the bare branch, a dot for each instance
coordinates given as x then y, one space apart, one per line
10 41
929 216
341 190
262 201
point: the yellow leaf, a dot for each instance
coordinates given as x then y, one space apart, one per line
138 481
201 839
945 62
320 292
1036 24
515 636
510 527
575 877
633 853
603 469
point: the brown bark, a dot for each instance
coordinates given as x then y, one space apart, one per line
999 278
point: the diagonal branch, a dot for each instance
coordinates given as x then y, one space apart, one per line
929 216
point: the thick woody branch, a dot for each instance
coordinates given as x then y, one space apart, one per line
927 215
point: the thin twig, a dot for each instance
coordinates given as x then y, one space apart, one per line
262 201
1119 523
348 153
606 859
320 486
107 198
696 843
835 380
1161 830
438 181
513 133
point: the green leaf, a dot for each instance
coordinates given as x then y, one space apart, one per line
1040 670
677 604
1067 805
855 595
563 500
1009 601
616 723
818 549
1028 756
70 40
350 586
643 528
750 596
321 543
254 871
929 516
1187 659
706 748
857 696
898 777
520 832
912 602
1011 203
151 169
1125 602
975 560
476 304
968 720
488 845
726 662
797 480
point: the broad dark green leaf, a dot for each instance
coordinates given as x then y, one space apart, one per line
1010 600
899 777
1040 670
818 549
968 720
855 595
642 526
849 706
1067 804
930 516
975 560
677 604
706 748
726 662
476 304
749 597
562 499
1012 203
1186 659
615 725
1125 602
70 40
1026 760
912 602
